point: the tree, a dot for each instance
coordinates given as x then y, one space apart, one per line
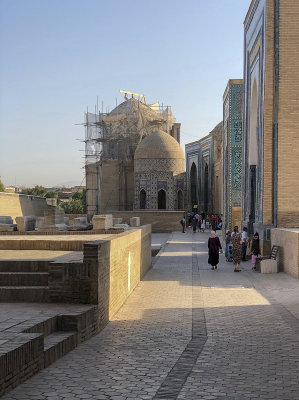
2 187
40 191
77 204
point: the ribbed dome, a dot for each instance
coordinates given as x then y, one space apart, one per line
159 145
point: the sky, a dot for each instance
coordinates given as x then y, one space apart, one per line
58 56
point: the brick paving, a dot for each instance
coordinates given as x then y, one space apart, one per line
187 332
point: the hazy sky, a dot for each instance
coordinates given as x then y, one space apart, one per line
57 56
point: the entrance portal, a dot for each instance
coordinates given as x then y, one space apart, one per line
161 199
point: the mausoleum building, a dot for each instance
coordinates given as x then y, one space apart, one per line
204 172
159 170
271 117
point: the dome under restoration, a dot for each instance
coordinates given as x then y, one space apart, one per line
159 152
159 145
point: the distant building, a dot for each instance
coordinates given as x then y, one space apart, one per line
232 153
204 172
119 177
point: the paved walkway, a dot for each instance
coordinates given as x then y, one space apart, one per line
187 332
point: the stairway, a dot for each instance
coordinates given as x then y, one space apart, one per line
34 344
24 281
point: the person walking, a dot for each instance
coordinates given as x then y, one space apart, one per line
194 224
183 223
214 246
227 243
237 253
203 225
244 239
199 223
254 247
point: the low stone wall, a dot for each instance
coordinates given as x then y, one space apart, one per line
288 257
110 271
18 205
161 221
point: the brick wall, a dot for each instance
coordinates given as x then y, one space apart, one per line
110 271
288 116
161 221
288 259
268 113
17 205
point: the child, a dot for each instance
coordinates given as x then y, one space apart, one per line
255 250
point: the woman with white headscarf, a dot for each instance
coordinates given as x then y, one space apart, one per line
214 246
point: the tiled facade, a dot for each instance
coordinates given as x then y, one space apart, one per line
202 157
232 152
271 116
159 168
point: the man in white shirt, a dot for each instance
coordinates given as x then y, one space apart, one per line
244 243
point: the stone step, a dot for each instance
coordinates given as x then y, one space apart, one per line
24 265
9 294
58 344
24 278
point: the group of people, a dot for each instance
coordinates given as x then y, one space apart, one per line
235 241
239 243
199 222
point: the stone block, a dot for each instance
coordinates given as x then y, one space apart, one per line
6 220
66 221
6 228
121 226
79 221
26 223
54 216
102 221
61 227
269 266
135 221
40 222
117 221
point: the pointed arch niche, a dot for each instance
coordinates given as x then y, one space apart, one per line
161 199
253 151
193 184
180 200
142 199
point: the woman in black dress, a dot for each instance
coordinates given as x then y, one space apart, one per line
214 246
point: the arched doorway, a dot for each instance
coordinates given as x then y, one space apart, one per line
142 199
161 199
206 188
193 184
180 200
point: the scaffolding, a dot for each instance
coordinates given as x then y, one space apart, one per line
115 135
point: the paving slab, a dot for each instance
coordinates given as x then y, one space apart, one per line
187 332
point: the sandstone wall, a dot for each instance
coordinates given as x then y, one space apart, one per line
161 221
268 114
288 115
18 205
110 271
288 240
